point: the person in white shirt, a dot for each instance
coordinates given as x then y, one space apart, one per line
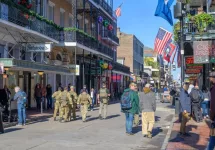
93 97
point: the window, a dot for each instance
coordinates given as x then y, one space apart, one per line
211 6
51 11
70 20
62 14
58 57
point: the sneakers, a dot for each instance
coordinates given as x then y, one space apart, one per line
100 117
18 125
149 135
55 119
144 135
129 134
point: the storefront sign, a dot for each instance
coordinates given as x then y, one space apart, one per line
192 71
189 61
201 52
38 47
75 69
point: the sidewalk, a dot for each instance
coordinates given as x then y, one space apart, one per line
32 116
198 140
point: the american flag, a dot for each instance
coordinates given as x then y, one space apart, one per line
118 11
161 40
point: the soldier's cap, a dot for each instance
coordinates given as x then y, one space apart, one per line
147 85
133 84
72 87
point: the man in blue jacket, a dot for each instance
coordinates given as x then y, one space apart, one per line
20 97
185 108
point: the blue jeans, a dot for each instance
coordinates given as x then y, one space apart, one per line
211 145
49 102
21 114
129 122
205 108
93 102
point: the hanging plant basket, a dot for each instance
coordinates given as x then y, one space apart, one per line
105 23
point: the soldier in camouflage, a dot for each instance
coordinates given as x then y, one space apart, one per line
72 107
57 102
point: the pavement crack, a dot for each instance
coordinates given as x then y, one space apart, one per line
37 145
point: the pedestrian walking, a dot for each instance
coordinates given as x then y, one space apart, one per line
57 106
44 93
148 108
5 99
136 116
196 100
72 107
130 106
93 97
205 105
38 95
84 89
65 101
185 102
83 101
103 97
191 86
21 99
211 145
49 96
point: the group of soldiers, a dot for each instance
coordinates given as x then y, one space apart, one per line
66 103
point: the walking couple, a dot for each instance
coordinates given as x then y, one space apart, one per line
133 103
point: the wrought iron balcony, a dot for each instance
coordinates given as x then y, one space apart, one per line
119 67
105 6
86 40
110 35
14 15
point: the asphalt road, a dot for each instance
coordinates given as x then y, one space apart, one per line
95 134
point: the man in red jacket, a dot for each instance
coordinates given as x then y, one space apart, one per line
212 114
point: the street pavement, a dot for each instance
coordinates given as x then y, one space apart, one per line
95 134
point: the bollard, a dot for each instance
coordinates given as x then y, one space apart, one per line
177 106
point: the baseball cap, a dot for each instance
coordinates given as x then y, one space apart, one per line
147 85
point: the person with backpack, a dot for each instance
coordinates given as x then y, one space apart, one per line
65 101
21 99
206 102
84 100
103 97
74 97
130 106
148 107
196 99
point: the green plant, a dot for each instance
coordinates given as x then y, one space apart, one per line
176 29
201 21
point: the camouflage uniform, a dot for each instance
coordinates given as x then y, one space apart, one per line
74 104
57 103
65 105
103 98
84 100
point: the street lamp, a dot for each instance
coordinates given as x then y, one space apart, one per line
40 73
6 68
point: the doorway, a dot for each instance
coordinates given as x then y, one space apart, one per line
27 87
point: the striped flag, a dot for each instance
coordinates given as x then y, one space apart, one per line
176 50
161 40
169 50
118 11
179 59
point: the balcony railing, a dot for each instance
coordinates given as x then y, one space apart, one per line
18 17
105 6
86 40
119 67
109 34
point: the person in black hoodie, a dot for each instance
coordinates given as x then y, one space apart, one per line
49 96
196 99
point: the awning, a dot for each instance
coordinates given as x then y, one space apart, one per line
34 66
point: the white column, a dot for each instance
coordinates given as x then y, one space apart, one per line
33 102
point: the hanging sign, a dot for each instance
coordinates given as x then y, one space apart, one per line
201 52
38 47
75 69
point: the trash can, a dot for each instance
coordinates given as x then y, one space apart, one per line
178 108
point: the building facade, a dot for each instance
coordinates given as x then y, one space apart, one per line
58 42
131 52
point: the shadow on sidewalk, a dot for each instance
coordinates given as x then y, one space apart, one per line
108 117
11 130
193 141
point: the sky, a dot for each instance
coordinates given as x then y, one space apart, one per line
137 17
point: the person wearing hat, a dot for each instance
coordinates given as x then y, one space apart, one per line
211 145
84 89
185 102
148 108
103 100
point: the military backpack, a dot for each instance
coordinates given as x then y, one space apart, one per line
103 94
64 99
84 99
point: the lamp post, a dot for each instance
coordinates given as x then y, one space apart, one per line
40 73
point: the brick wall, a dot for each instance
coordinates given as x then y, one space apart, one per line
126 48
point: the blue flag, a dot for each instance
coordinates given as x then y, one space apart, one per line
163 10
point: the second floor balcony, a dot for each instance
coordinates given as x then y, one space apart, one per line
122 68
111 37
104 5
18 19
